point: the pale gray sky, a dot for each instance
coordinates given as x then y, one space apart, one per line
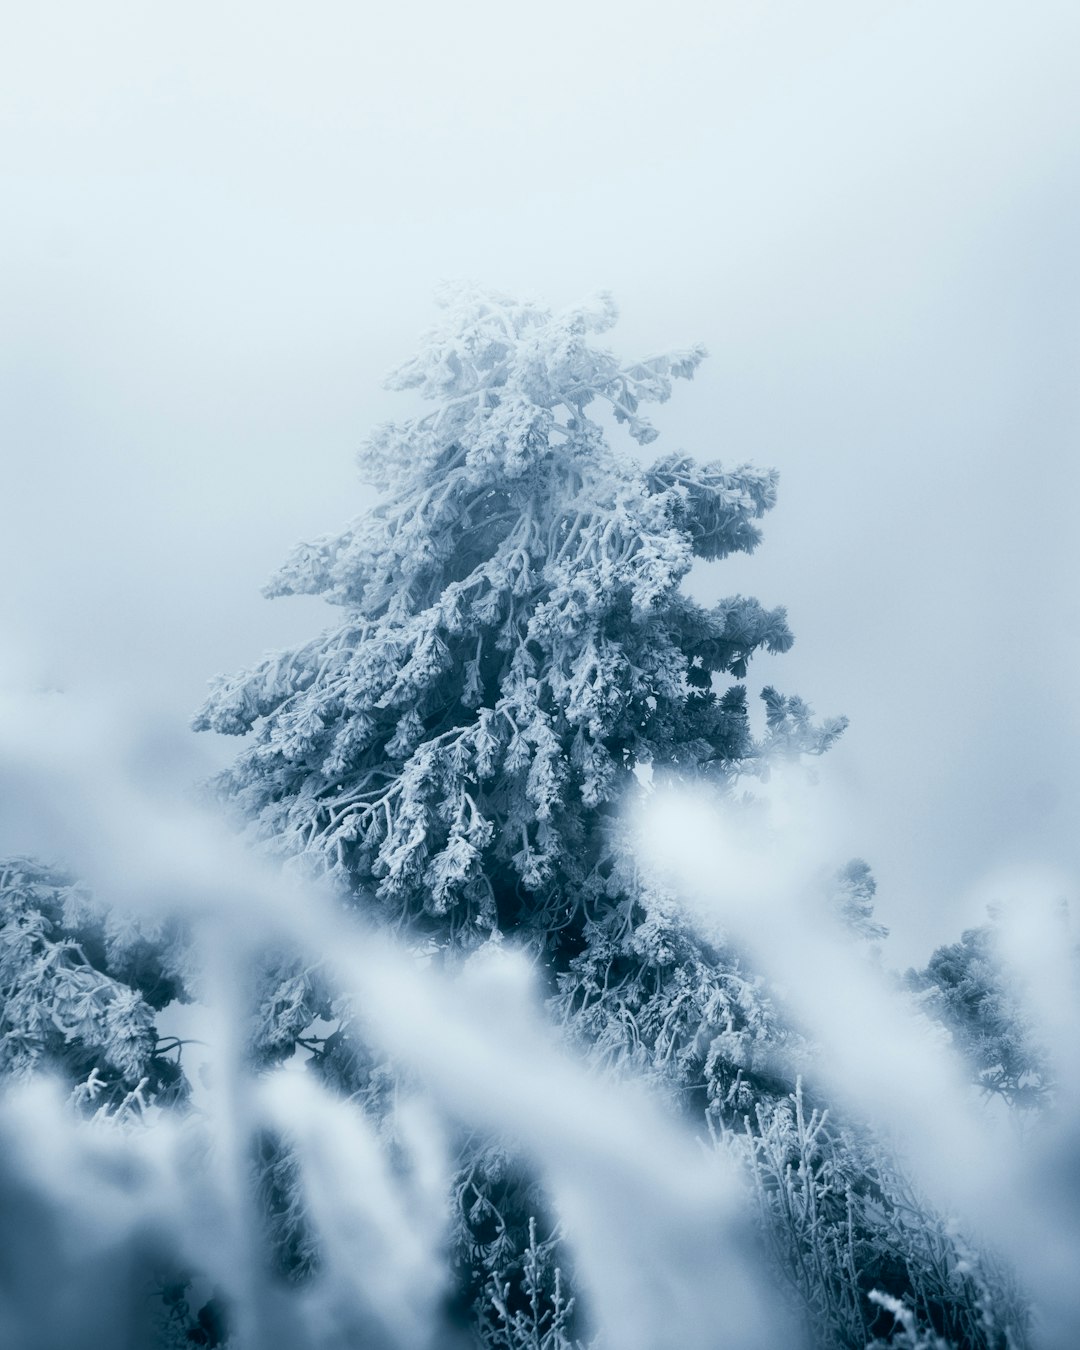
223 224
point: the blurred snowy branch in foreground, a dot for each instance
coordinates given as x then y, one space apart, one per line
92 1208
748 874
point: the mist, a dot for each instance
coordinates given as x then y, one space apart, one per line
876 1053
659 1226
223 229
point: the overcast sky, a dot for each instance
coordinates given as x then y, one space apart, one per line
224 223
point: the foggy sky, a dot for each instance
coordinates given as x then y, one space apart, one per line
223 225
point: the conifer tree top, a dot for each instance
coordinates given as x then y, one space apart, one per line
515 640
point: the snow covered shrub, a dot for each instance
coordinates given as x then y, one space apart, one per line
81 987
967 988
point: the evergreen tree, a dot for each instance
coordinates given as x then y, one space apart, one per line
514 640
514 649
514 645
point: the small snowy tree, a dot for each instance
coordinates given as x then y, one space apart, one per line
966 986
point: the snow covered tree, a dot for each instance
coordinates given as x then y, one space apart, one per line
514 642
514 650
514 645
